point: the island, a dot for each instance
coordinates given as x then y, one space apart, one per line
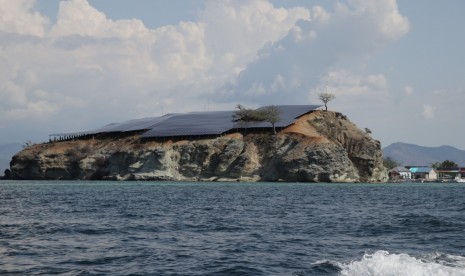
305 144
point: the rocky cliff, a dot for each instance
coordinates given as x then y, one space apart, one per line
319 147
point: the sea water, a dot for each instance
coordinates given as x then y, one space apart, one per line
169 228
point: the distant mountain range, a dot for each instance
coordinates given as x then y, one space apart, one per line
414 155
6 152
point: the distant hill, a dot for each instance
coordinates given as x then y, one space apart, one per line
410 154
6 152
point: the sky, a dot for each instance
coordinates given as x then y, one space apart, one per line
395 67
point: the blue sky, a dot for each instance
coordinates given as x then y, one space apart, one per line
396 67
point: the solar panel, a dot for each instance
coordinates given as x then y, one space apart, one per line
147 123
137 124
89 132
197 123
131 125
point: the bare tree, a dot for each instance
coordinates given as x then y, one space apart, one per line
326 97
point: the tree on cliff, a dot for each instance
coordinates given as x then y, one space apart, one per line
269 114
326 97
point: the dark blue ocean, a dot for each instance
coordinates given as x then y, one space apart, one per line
169 228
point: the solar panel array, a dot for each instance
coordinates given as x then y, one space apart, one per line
193 124
196 123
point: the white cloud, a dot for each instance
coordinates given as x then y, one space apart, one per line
440 92
331 43
382 17
235 30
242 27
343 82
429 111
78 17
408 90
120 69
12 94
18 17
320 14
40 107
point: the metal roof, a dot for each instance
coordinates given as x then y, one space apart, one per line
196 123
421 170
400 169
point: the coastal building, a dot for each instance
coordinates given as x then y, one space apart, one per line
426 173
400 173
448 173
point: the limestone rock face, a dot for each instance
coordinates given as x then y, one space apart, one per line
319 147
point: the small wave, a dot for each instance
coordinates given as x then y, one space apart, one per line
382 263
238 270
325 267
429 223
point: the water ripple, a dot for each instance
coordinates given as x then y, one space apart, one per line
156 228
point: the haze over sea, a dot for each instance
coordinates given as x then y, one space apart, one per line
169 228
